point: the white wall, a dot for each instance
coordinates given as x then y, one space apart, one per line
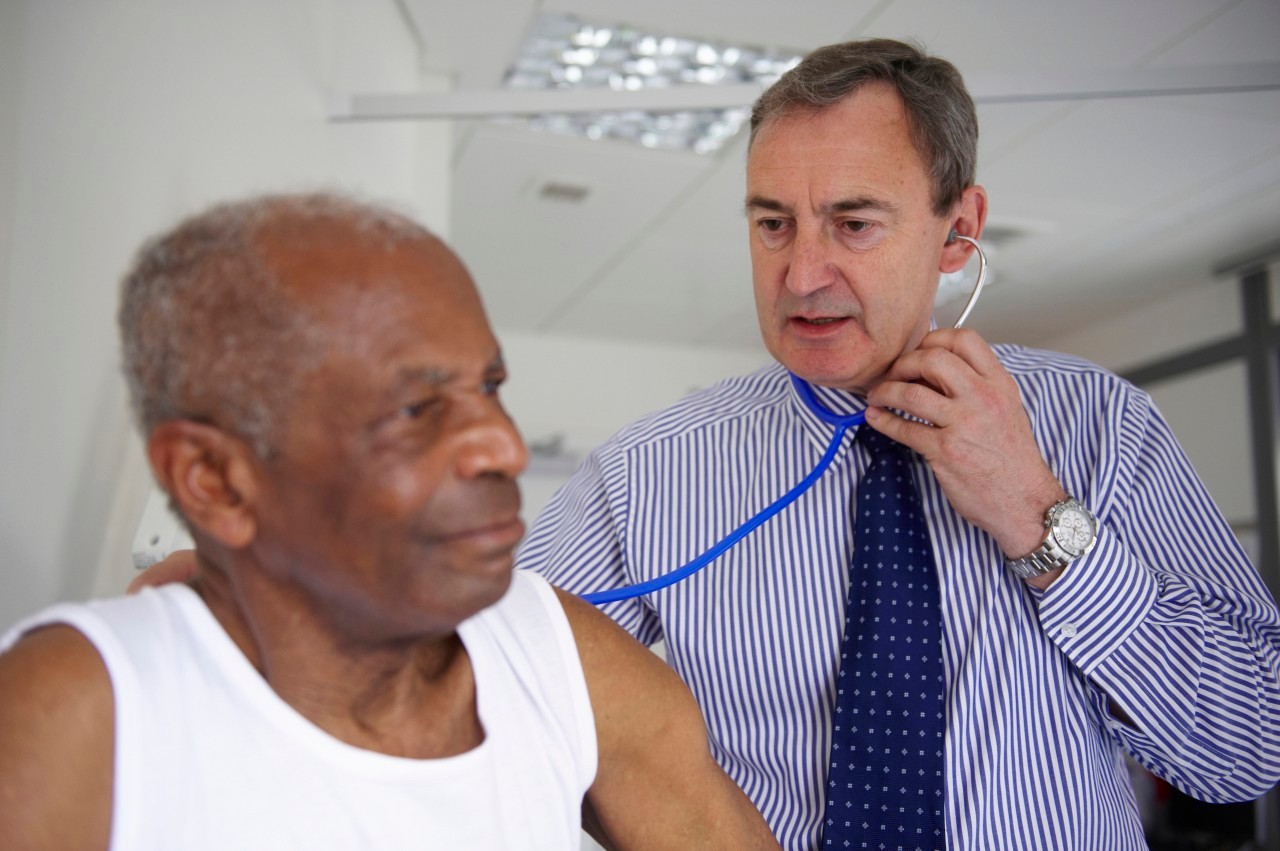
116 119
585 390
1185 319
12 28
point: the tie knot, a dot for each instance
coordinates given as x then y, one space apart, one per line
876 443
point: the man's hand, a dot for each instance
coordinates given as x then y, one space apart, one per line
178 566
979 445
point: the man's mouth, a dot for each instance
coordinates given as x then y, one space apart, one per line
509 528
817 322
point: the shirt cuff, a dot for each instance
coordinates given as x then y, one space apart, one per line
1097 603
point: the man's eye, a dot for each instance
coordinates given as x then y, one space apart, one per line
493 381
857 226
771 225
417 409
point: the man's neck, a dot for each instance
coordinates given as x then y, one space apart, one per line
409 697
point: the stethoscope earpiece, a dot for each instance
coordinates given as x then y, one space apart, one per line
982 275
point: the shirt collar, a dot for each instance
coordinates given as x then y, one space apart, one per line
816 430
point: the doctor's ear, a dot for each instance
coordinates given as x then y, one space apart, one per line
968 219
211 475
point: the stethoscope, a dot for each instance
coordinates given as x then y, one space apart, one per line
840 422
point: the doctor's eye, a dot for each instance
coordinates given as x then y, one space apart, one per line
771 226
857 225
773 231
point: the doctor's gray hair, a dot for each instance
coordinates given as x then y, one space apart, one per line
207 330
944 122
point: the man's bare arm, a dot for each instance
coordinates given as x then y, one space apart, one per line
57 731
657 786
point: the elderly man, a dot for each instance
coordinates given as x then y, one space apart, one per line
353 665
952 646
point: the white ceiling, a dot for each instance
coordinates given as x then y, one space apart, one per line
1118 200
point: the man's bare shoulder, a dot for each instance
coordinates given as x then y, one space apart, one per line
56 653
611 657
657 786
57 721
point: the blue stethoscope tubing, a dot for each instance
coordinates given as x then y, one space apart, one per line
841 422
674 576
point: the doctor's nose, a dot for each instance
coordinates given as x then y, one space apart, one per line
810 268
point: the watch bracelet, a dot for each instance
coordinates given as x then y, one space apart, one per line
1046 558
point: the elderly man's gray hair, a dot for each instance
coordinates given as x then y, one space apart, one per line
208 332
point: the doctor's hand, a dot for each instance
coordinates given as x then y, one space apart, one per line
979 445
178 566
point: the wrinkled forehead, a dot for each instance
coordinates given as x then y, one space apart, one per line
855 149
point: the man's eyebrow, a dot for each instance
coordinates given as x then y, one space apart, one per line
759 202
407 377
858 203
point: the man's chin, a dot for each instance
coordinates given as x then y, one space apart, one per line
841 363
835 373
481 590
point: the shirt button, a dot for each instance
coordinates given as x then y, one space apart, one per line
1069 630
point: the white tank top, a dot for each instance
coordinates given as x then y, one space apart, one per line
209 757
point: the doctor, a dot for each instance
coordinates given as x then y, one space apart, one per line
1088 599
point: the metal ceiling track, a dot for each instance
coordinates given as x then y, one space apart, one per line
1023 87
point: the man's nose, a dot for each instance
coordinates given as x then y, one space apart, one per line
811 267
489 444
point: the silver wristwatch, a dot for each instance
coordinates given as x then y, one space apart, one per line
1071 531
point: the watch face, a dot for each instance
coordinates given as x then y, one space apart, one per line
1074 530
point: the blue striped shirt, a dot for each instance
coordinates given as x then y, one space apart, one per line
1165 616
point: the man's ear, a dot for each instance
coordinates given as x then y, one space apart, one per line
212 476
968 220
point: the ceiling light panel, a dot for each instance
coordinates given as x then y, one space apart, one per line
564 52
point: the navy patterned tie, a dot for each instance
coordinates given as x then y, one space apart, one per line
885 781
